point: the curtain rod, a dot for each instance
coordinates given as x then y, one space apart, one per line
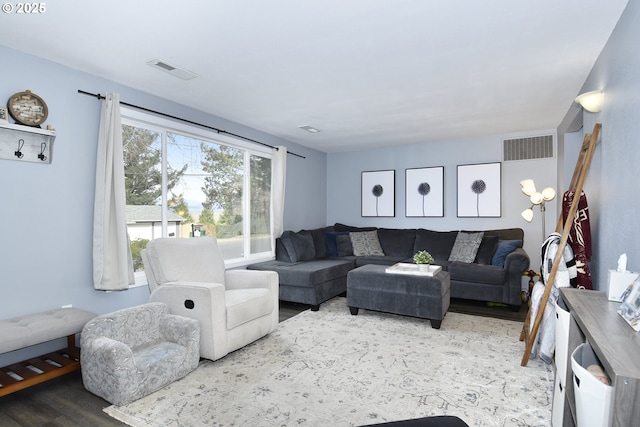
97 95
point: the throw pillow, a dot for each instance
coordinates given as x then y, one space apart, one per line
505 247
300 246
486 250
366 243
344 245
330 240
466 247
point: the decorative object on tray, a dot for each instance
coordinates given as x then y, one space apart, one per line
423 257
479 190
4 118
378 193
414 269
27 108
630 307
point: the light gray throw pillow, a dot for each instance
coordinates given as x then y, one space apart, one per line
466 246
366 243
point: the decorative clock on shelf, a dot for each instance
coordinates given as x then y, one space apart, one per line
27 108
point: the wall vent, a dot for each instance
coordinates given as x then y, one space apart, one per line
171 69
533 147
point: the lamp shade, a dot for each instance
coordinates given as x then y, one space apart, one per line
528 187
548 194
536 198
591 101
527 214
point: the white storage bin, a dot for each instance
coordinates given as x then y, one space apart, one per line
562 338
593 398
557 411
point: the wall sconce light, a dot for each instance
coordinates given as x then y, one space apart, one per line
591 101
536 198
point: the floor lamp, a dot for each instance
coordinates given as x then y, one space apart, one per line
537 198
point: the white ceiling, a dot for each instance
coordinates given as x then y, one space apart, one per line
367 73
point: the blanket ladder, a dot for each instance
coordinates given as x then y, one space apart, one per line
577 182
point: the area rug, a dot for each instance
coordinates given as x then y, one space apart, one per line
330 368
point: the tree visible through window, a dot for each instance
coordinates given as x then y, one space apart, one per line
203 186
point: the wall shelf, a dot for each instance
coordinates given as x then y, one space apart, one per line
25 143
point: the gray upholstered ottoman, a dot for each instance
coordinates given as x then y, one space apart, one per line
427 297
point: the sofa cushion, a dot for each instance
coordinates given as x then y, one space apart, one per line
331 241
306 274
505 247
342 227
466 246
506 233
366 243
397 242
475 273
486 250
319 242
437 243
300 246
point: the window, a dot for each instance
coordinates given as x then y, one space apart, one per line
183 181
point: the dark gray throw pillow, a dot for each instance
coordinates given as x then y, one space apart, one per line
343 243
300 246
486 250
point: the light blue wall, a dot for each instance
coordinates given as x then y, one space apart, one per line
344 181
47 209
612 185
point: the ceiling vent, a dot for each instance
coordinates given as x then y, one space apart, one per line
533 147
172 69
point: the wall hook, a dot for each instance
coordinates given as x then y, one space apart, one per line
41 156
19 152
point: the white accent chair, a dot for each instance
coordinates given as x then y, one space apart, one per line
234 307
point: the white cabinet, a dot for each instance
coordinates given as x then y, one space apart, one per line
25 143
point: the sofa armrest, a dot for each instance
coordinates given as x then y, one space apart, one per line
516 263
182 331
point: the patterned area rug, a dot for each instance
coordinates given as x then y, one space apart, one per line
329 368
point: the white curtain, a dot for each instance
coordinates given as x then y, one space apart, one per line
278 182
112 265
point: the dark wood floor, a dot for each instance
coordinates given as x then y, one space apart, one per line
63 402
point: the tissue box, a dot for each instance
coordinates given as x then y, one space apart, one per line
618 283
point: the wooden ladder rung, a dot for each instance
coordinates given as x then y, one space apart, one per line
59 358
22 371
42 365
6 380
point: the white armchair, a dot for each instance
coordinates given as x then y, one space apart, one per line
234 307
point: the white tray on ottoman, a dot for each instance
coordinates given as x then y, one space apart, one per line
414 269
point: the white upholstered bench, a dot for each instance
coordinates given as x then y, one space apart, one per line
33 329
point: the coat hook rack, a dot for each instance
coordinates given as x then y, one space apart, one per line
26 143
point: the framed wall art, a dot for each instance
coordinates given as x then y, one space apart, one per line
630 307
424 192
378 193
479 190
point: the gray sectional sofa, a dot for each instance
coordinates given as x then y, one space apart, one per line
483 265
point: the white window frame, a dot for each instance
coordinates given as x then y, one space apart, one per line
136 118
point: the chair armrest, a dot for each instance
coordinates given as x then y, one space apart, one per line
204 302
246 279
107 352
181 330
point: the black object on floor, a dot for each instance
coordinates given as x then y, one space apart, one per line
438 421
